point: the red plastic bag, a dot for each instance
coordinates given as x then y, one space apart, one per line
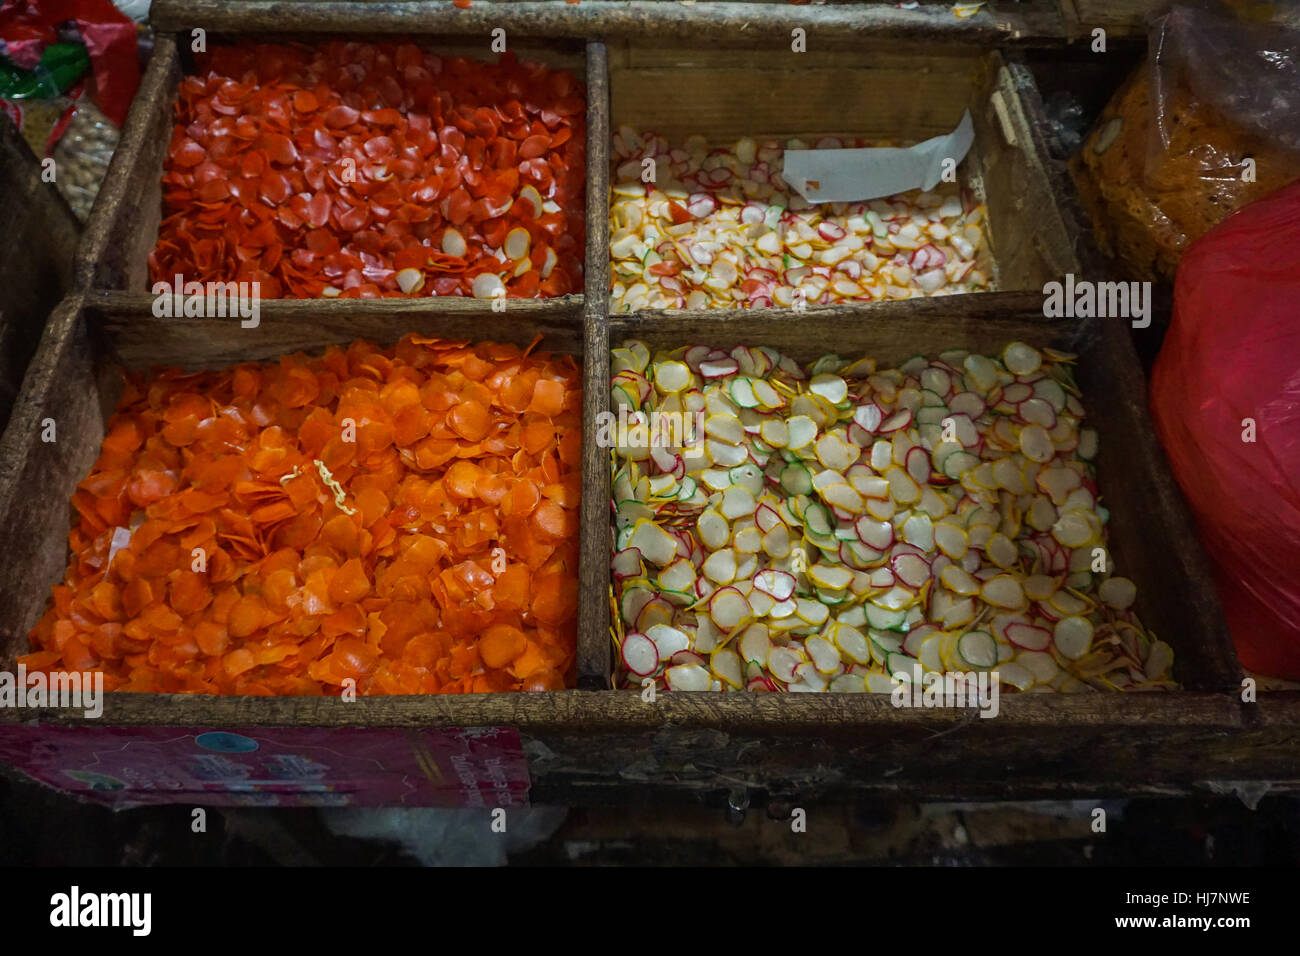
28 26
1229 372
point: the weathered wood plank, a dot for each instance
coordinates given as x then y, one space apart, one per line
608 711
708 95
607 747
37 475
139 339
895 329
36 258
1083 252
593 570
644 19
1030 239
123 225
613 747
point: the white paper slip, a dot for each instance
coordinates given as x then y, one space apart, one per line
851 175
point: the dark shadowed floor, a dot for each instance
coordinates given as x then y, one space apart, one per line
39 827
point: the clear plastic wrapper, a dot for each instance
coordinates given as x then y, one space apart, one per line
1208 124
82 156
1066 125
1247 72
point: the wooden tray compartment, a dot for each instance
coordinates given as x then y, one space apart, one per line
1152 539
123 229
897 93
77 380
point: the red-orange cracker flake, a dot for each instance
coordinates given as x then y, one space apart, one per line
404 518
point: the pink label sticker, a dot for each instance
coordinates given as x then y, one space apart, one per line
267 767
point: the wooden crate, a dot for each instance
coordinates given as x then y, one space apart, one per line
36 258
589 745
1133 476
595 745
879 91
123 229
109 324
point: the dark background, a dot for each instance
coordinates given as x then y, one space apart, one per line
41 827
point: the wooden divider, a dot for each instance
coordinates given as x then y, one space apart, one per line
593 571
843 24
